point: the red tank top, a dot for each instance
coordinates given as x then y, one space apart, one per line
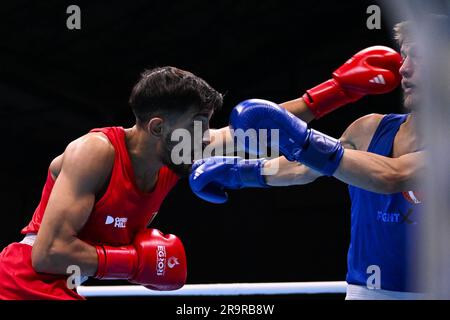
123 209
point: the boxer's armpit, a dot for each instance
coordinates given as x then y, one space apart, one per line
358 135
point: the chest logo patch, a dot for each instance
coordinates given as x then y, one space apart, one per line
118 222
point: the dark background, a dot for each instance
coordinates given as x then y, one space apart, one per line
56 84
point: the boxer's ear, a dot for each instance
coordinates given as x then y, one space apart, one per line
155 127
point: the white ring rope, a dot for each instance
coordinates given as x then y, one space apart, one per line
219 289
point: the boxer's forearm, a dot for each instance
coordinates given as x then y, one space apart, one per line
299 108
380 174
62 254
221 143
281 172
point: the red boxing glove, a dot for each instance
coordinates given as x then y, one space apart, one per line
155 260
374 70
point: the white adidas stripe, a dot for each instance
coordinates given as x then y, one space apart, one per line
378 79
413 197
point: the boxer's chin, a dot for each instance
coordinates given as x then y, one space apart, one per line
182 170
410 101
175 161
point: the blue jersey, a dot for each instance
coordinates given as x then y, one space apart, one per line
383 226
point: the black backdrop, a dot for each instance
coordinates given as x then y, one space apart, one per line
56 84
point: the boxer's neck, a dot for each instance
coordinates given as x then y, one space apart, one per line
411 128
141 149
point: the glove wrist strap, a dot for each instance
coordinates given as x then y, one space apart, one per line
321 153
250 172
325 98
116 262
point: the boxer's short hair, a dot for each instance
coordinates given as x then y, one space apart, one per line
164 91
404 31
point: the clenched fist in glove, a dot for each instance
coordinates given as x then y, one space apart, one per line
374 70
154 260
211 176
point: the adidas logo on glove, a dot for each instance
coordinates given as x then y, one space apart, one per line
378 79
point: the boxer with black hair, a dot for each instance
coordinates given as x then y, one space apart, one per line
103 191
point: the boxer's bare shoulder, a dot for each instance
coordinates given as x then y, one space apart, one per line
358 135
91 149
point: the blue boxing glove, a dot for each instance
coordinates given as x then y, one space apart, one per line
211 176
296 142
